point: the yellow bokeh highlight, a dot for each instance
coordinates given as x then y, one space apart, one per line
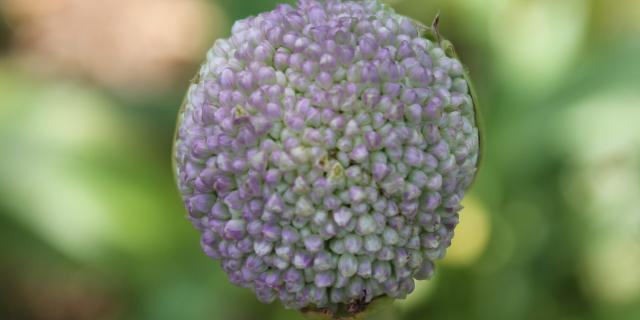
471 234
601 136
611 272
537 40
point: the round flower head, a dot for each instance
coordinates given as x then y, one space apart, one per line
323 151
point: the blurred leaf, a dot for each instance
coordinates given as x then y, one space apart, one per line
79 174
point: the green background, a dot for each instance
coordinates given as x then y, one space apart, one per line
91 225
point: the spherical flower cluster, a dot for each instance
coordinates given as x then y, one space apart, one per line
323 151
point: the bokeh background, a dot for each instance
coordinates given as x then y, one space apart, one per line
91 225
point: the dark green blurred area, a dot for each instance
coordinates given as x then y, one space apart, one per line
92 227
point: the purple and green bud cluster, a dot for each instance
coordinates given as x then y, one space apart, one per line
323 151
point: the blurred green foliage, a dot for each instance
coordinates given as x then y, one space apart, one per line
92 227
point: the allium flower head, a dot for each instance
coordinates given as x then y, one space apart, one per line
323 151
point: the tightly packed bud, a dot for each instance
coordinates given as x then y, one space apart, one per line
323 151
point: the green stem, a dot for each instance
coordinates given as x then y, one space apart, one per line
379 309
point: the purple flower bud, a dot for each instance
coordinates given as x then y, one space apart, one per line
272 176
364 267
356 194
337 295
262 248
323 152
227 79
355 288
271 232
272 110
313 243
234 229
434 182
429 241
372 243
273 279
329 230
413 157
275 203
366 225
381 271
324 279
353 244
201 203
425 271
385 254
409 208
219 211
380 170
302 260
347 265
255 264
373 140
254 228
342 217
359 153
